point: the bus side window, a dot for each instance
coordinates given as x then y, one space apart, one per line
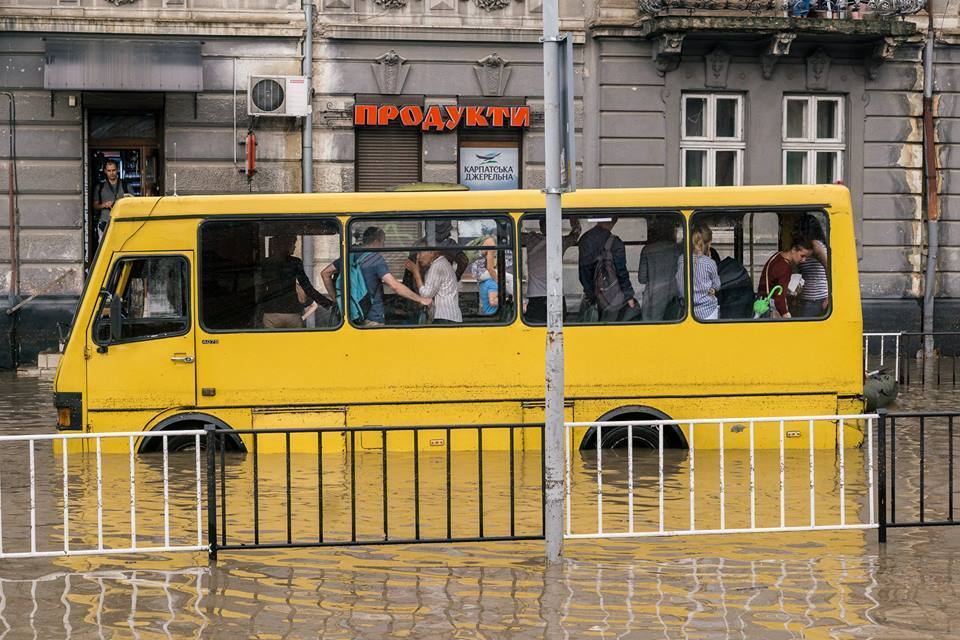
432 270
267 274
621 267
152 296
753 252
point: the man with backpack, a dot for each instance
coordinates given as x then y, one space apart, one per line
607 291
106 194
368 273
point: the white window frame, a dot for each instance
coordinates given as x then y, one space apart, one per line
711 142
810 145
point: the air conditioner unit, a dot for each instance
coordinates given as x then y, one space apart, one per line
278 96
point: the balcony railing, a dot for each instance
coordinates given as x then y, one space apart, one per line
824 9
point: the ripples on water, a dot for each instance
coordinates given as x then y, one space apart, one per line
821 584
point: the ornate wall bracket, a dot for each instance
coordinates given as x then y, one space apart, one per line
390 71
880 54
777 48
667 51
818 71
717 68
492 5
493 73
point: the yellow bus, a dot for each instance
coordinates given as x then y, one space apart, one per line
230 310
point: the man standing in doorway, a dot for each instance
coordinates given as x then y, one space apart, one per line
106 194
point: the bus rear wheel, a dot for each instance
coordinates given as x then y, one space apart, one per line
644 436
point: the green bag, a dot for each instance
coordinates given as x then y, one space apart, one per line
761 308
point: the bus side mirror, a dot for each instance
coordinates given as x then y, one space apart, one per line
116 304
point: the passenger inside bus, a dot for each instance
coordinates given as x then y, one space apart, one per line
813 300
779 272
705 281
660 261
284 288
368 310
437 282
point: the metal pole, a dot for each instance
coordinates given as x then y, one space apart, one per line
306 69
306 137
930 175
210 438
554 429
881 487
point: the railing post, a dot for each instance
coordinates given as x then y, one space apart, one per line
881 476
210 438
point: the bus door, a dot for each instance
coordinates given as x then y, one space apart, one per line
140 347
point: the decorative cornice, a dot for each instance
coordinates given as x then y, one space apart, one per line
100 22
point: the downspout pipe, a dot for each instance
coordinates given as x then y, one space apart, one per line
306 70
306 136
930 184
13 219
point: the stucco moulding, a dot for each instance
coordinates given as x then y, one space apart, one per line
391 4
717 69
390 71
493 73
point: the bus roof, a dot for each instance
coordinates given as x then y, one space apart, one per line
521 200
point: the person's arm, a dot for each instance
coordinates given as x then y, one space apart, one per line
402 290
780 275
714 276
493 298
490 258
571 238
820 253
99 204
327 275
619 252
430 285
308 289
462 262
643 270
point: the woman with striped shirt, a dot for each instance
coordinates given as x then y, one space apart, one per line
439 285
706 279
814 298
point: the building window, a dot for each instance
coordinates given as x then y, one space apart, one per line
812 140
711 140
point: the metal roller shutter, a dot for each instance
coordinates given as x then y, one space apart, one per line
386 157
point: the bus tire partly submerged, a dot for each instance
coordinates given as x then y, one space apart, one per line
187 422
644 437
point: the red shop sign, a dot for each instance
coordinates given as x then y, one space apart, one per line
440 117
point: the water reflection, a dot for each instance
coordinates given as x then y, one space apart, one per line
822 584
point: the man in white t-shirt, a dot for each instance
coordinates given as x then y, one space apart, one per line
536 262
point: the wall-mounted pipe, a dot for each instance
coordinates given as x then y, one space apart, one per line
306 136
13 218
930 185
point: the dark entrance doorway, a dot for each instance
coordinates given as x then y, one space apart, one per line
132 139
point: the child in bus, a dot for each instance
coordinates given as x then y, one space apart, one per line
706 279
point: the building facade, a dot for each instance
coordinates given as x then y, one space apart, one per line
417 90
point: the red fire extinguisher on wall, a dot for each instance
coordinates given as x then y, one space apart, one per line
251 148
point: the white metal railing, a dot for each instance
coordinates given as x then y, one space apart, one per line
836 422
129 439
880 339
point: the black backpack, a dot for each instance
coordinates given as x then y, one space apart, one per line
606 285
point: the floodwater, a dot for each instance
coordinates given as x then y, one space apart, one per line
825 584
